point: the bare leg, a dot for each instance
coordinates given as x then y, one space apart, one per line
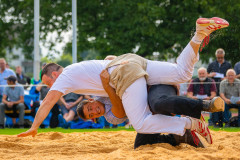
70 116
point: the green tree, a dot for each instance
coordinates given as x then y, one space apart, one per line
64 60
117 27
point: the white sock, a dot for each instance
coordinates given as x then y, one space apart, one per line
188 124
198 38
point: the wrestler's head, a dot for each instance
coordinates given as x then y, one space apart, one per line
90 108
50 73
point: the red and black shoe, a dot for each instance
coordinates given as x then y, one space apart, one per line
201 128
207 25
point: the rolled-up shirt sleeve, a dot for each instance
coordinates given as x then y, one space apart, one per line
113 119
109 116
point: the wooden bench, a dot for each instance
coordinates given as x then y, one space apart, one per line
10 113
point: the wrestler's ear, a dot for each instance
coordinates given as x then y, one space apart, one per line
54 74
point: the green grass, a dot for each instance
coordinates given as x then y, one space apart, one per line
230 129
13 131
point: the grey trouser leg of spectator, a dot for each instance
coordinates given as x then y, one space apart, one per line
21 108
2 113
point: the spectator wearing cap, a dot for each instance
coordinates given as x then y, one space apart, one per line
13 99
4 73
21 77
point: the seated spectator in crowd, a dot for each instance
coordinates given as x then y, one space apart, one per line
237 69
202 87
13 99
230 93
4 73
217 70
22 78
43 90
7 66
69 103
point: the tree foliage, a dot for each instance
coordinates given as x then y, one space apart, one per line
117 27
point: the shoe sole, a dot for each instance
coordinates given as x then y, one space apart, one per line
211 21
218 105
202 143
205 132
212 24
210 137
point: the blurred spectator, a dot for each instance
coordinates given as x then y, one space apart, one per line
43 90
4 73
13 99
69 105
217 70
34 81
22 78
7 66
230 92
237 70
202 87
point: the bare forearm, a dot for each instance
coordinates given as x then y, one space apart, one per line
223 97
238 76
17 102
78 101
4 101
190 94
42 113
62 100
38 88
213 94
117 106
21 100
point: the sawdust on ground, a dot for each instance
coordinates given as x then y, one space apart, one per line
112 145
